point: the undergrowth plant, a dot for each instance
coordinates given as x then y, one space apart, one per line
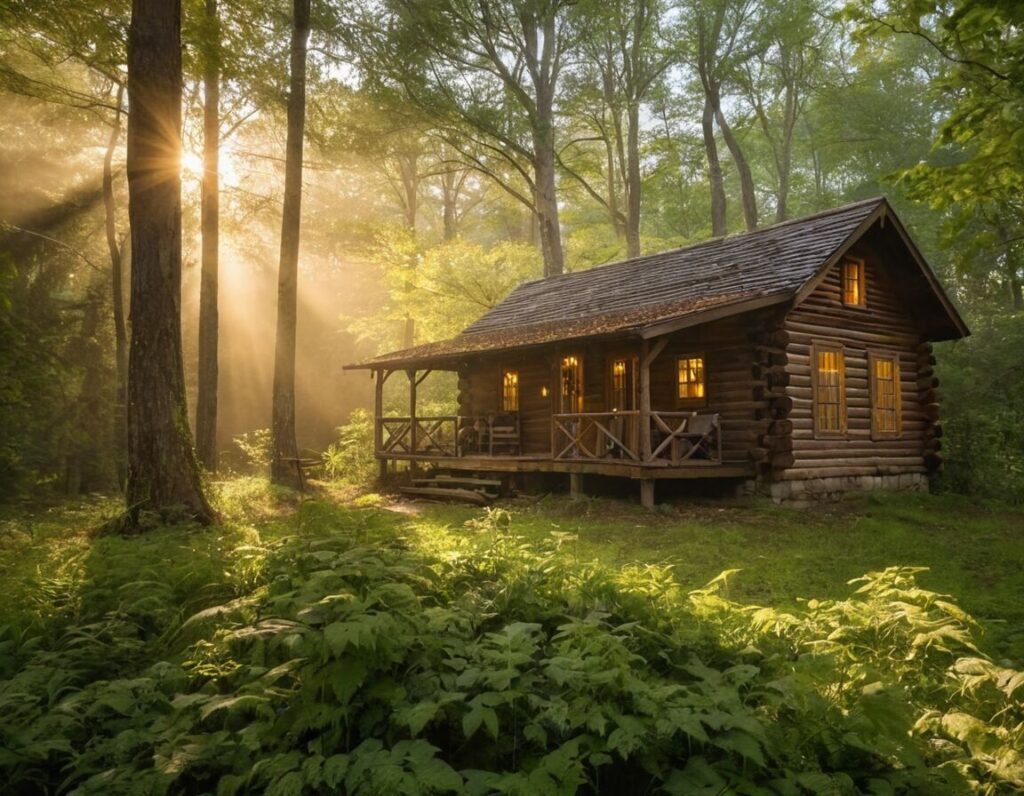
339 660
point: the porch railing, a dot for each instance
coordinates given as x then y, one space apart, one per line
596 435
422 436
676 437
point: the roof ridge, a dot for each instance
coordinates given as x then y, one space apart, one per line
696 245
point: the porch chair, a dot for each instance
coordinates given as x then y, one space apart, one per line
699 438
503 434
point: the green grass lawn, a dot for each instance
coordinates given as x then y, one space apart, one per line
974 551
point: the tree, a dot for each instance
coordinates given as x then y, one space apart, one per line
163 474
490 68
624 57
282 467
94 39
206 391
712 30
788 55
977 163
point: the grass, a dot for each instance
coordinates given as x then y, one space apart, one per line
974 551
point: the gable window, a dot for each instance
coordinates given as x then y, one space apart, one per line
623 381
853 282
829 390
510 391
571 385
690 379
886 417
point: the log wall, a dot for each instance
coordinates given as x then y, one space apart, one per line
734 389
885 326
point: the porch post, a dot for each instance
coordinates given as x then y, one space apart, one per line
648 353
647 493
378 422
576 486
645 402
412 409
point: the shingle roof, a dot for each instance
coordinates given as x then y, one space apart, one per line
773 259
772 263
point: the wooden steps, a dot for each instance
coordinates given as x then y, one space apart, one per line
448 486
446 493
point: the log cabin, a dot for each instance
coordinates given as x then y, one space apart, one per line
795 360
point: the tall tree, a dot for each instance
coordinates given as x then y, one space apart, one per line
162 470
718 26
492 67
285 447
622 44
116 271
206 392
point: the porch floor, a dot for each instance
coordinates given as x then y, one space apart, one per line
543 463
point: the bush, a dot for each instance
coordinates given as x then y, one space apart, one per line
351 458
491 665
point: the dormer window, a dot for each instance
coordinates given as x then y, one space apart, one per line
853 282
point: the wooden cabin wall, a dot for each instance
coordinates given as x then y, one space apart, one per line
480 393
732 391
884 325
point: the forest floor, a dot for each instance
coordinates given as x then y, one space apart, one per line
52 563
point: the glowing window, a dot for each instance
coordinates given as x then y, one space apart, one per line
510 391
622 385
885 395
691 378
853 283
829 391
572 385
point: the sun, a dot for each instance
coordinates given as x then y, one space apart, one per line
192 166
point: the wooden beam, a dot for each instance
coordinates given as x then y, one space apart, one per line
714 314
576 486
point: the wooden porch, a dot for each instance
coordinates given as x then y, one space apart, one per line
539 414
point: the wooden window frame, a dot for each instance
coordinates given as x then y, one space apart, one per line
691 403
817 348
580 385
862 282
894 358
501 390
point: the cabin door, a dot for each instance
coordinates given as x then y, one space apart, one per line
571 388
622 384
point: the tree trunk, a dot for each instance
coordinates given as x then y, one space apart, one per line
408 169
116 289
786 155
450 199
718 226
162 471
206 394
633 180
748 197
283 471
547 202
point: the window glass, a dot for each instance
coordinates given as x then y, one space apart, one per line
829 394
510 391
691 378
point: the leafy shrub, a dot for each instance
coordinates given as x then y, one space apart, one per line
350 458
491 665
255 450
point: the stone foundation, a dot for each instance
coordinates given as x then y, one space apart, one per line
813 490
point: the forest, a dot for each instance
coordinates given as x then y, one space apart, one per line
209 207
